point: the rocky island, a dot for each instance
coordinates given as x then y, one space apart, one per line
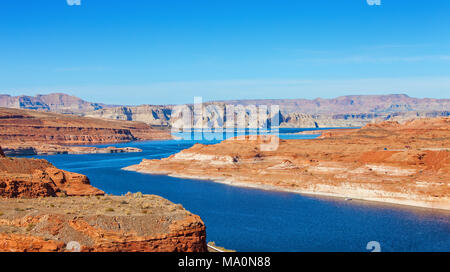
403 163
43 208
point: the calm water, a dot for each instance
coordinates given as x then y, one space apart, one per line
256 220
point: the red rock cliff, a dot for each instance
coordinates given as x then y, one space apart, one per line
20 177
28 126
134 223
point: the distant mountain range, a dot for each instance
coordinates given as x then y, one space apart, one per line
353 104
343 111
55 102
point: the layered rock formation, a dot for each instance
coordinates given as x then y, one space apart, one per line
344 111
42 127
149 114
27 132
390 162
56 102
49 149
28 178
99 224
354 104
45 209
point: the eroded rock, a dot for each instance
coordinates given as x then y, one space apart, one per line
103 223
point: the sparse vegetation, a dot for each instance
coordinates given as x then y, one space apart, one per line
30 227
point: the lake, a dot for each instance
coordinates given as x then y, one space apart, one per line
255 220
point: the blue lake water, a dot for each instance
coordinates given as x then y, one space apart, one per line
255 220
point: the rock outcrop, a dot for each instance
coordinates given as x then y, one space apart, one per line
150 114
34 128
391 162
134 223
30 178
45 209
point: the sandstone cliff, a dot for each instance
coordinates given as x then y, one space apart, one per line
131 223
353 104
149 114
344 111
56 102
27 132
28 178
45 209
390 162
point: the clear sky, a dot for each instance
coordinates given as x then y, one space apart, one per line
167 51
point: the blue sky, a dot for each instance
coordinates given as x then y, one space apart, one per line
161 52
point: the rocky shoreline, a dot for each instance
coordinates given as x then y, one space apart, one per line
406 164
40 149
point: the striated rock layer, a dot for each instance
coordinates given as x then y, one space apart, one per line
29 178
55 102
139 223
344 111
27 132
49 149
46 209
391 162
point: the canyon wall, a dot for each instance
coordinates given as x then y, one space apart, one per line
353 104
29 132
56 102
149 114
344 111
216 117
